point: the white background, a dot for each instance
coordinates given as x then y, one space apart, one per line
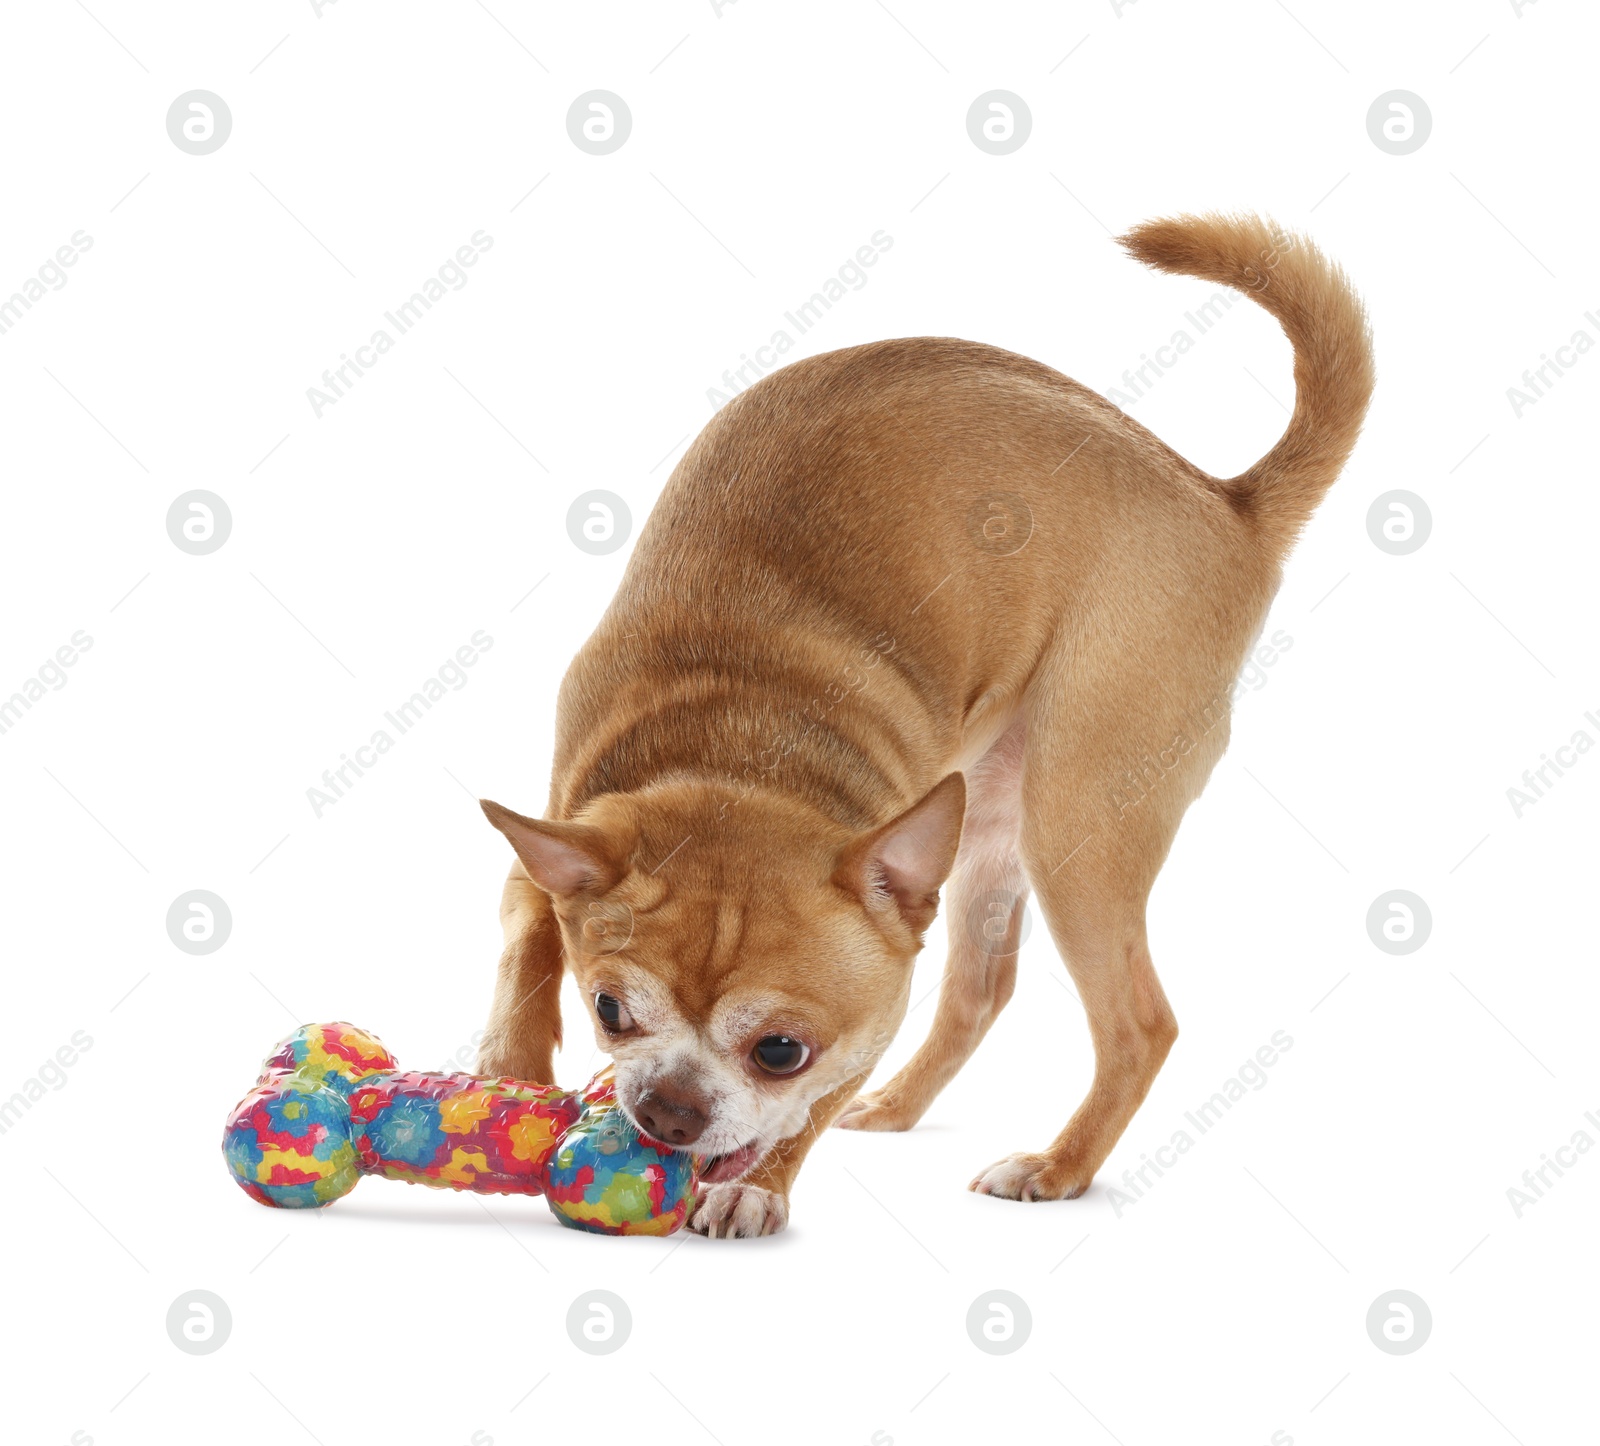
768 143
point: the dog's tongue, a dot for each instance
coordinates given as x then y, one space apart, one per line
721 1168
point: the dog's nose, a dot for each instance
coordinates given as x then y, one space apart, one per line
671 1115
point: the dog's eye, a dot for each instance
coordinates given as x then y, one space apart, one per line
613 1014
780 1054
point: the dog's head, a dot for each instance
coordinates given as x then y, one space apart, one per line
742 955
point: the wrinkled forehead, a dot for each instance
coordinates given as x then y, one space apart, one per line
728 964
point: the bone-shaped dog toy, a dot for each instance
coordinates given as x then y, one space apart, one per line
331 1105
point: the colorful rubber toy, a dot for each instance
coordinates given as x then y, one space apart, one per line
331 1105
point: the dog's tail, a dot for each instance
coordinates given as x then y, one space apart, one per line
1323 317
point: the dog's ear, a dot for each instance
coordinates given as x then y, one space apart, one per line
562 858
902 864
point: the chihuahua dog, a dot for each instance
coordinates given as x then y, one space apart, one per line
911 612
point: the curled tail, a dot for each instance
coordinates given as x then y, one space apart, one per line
1324 320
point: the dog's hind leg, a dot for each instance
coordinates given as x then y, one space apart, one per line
1121 738
985 898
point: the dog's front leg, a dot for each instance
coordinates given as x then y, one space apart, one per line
524 1027
758 1203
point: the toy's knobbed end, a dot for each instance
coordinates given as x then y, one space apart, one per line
607 1179
290 1142
338 1055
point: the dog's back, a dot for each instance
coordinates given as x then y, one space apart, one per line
965 504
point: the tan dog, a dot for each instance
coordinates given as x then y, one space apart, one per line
884 588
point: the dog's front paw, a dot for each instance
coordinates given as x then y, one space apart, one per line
875 1111
738 1211
1031 1177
